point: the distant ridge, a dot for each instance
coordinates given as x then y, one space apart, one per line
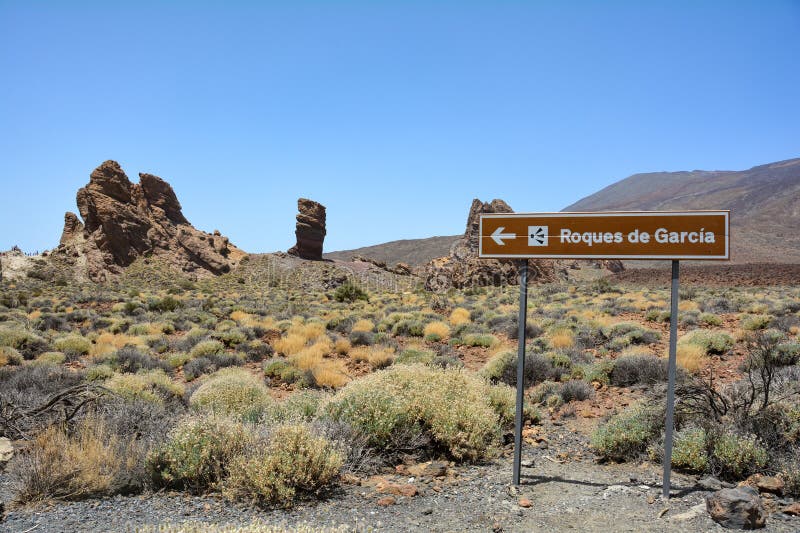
413 252
764 203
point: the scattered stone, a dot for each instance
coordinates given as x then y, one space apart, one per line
771 484
434 469
710 483
310 230
6 450
793 509
427 511
693 512
527 463
737 508
525 502
651 499
386 501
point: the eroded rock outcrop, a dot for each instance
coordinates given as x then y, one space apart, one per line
310 231
462 268
123 221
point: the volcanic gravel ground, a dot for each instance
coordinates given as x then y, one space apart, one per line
566 490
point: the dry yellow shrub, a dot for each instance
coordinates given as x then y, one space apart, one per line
688 305
438 328
459 316
107 343
309 357
342 346
290 344
360 353
690 356
363 325
330 373
562 338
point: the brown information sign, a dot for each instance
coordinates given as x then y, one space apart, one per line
608 235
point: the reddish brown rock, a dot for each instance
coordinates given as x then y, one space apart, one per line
310 231
525 502
124 221
462 268
793 509
73 228
386 501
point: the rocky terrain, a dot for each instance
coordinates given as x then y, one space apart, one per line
123 222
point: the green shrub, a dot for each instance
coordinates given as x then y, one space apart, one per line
689 450
232 391
496 366
294 460
410 356
716 342
450 406
409 328
627 434
152 386
475 339
50 358
349 292
738 456
165 304
231 337
73 345
206 348
710 319
503 400
99 372
198 453
755 322
9 356
26 343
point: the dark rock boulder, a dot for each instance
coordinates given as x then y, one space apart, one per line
737 508
310 231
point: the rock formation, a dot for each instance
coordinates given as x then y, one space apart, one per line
124 221
462 268
310 230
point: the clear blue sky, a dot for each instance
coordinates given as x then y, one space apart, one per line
392 114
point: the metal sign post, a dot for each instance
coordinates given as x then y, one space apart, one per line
697 235
673 340
523 318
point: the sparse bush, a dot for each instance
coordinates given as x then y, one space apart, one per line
738 456
47 358
411 356
503 368
638 369
475 339
206 348
349 292
153 386
25 342
362 325
690 356
362 338
294 460
450 407
166 304
198 453
10 357
130 360
689 451
717 342
232 391
626 435
709 319
576 390
755 322
69 467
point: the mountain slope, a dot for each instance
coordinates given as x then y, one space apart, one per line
764 203
413 252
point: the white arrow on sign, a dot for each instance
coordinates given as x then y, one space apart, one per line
498 236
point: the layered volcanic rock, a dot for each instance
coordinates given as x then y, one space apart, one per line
462 268
124 221
310 230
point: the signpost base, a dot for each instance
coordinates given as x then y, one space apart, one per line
670 419
523 316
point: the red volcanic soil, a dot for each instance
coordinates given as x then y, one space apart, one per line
753 274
